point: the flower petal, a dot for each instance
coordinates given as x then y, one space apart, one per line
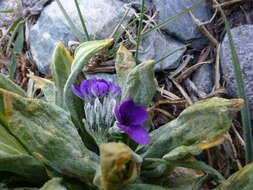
115 91
77 91
85 88
100 88
92 88
138 133
117 113
133 114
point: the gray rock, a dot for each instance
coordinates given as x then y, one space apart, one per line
156 45
137 2
243 38
7 19
101 17
43 38
34 7
203 78
109 77
31 3
183 28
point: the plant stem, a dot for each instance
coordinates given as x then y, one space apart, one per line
7 11
72 26
82 21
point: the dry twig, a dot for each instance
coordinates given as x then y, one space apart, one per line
183 92
217 68
203 28
238 136
167 114
189 71
227 3
167 94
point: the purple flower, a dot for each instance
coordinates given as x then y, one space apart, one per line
130 118
93 88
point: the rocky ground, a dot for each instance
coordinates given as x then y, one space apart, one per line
202 70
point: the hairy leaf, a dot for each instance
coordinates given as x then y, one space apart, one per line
7 84
137 82
60 70
197 126
15 159
48 134
124 64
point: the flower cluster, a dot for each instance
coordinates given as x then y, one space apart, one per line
96 88
101 99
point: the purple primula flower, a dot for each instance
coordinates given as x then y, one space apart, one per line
96 88
130 118
100 97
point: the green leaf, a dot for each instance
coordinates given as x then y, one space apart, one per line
137 82
140 84
74 104
7 11
61 68
185 151
15 159
198 165
54 184
48 134
200 125
143 187
18 47
7 84
240 180
46 86
124 64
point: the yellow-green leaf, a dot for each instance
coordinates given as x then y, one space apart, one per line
61 67
200 124
116 166
15 159
124 64
137 82
47 133
47 87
